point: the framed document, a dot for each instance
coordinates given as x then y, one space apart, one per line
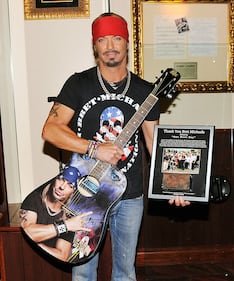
193 36
181 162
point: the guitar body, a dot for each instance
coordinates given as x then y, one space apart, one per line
107 194
92 196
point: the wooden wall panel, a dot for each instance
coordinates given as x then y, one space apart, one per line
4 216
20 260
196 225
168 234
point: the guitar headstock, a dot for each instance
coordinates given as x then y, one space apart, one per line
165 86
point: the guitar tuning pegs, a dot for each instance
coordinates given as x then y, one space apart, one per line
169 96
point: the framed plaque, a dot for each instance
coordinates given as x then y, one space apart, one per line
181 162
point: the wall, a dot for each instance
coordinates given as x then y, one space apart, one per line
55 49
200 109
44 53
8 83
41 62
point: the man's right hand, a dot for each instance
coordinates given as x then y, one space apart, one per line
109 152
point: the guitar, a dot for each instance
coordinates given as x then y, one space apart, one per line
100 186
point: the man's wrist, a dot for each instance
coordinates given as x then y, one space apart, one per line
60 227
92 149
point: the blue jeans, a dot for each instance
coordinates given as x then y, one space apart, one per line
124 223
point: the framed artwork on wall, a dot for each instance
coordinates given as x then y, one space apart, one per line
193 36
55 9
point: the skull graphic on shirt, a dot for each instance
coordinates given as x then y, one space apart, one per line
111 125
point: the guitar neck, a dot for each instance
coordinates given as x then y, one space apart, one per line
136 120
99 170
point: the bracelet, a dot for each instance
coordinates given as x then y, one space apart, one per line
60 227
92 149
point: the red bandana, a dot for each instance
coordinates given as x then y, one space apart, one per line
109 25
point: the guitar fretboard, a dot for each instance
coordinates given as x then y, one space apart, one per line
136 120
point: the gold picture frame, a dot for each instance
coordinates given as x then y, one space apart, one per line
56 9
195 85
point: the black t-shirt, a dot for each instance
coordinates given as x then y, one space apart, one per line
101 117
33 202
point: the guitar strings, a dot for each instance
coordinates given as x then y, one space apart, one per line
73 213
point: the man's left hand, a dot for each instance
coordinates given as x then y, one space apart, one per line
179 201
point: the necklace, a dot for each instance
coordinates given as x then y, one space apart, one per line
51 213
100 79
116 85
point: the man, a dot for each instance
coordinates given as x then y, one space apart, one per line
98 103
43 218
